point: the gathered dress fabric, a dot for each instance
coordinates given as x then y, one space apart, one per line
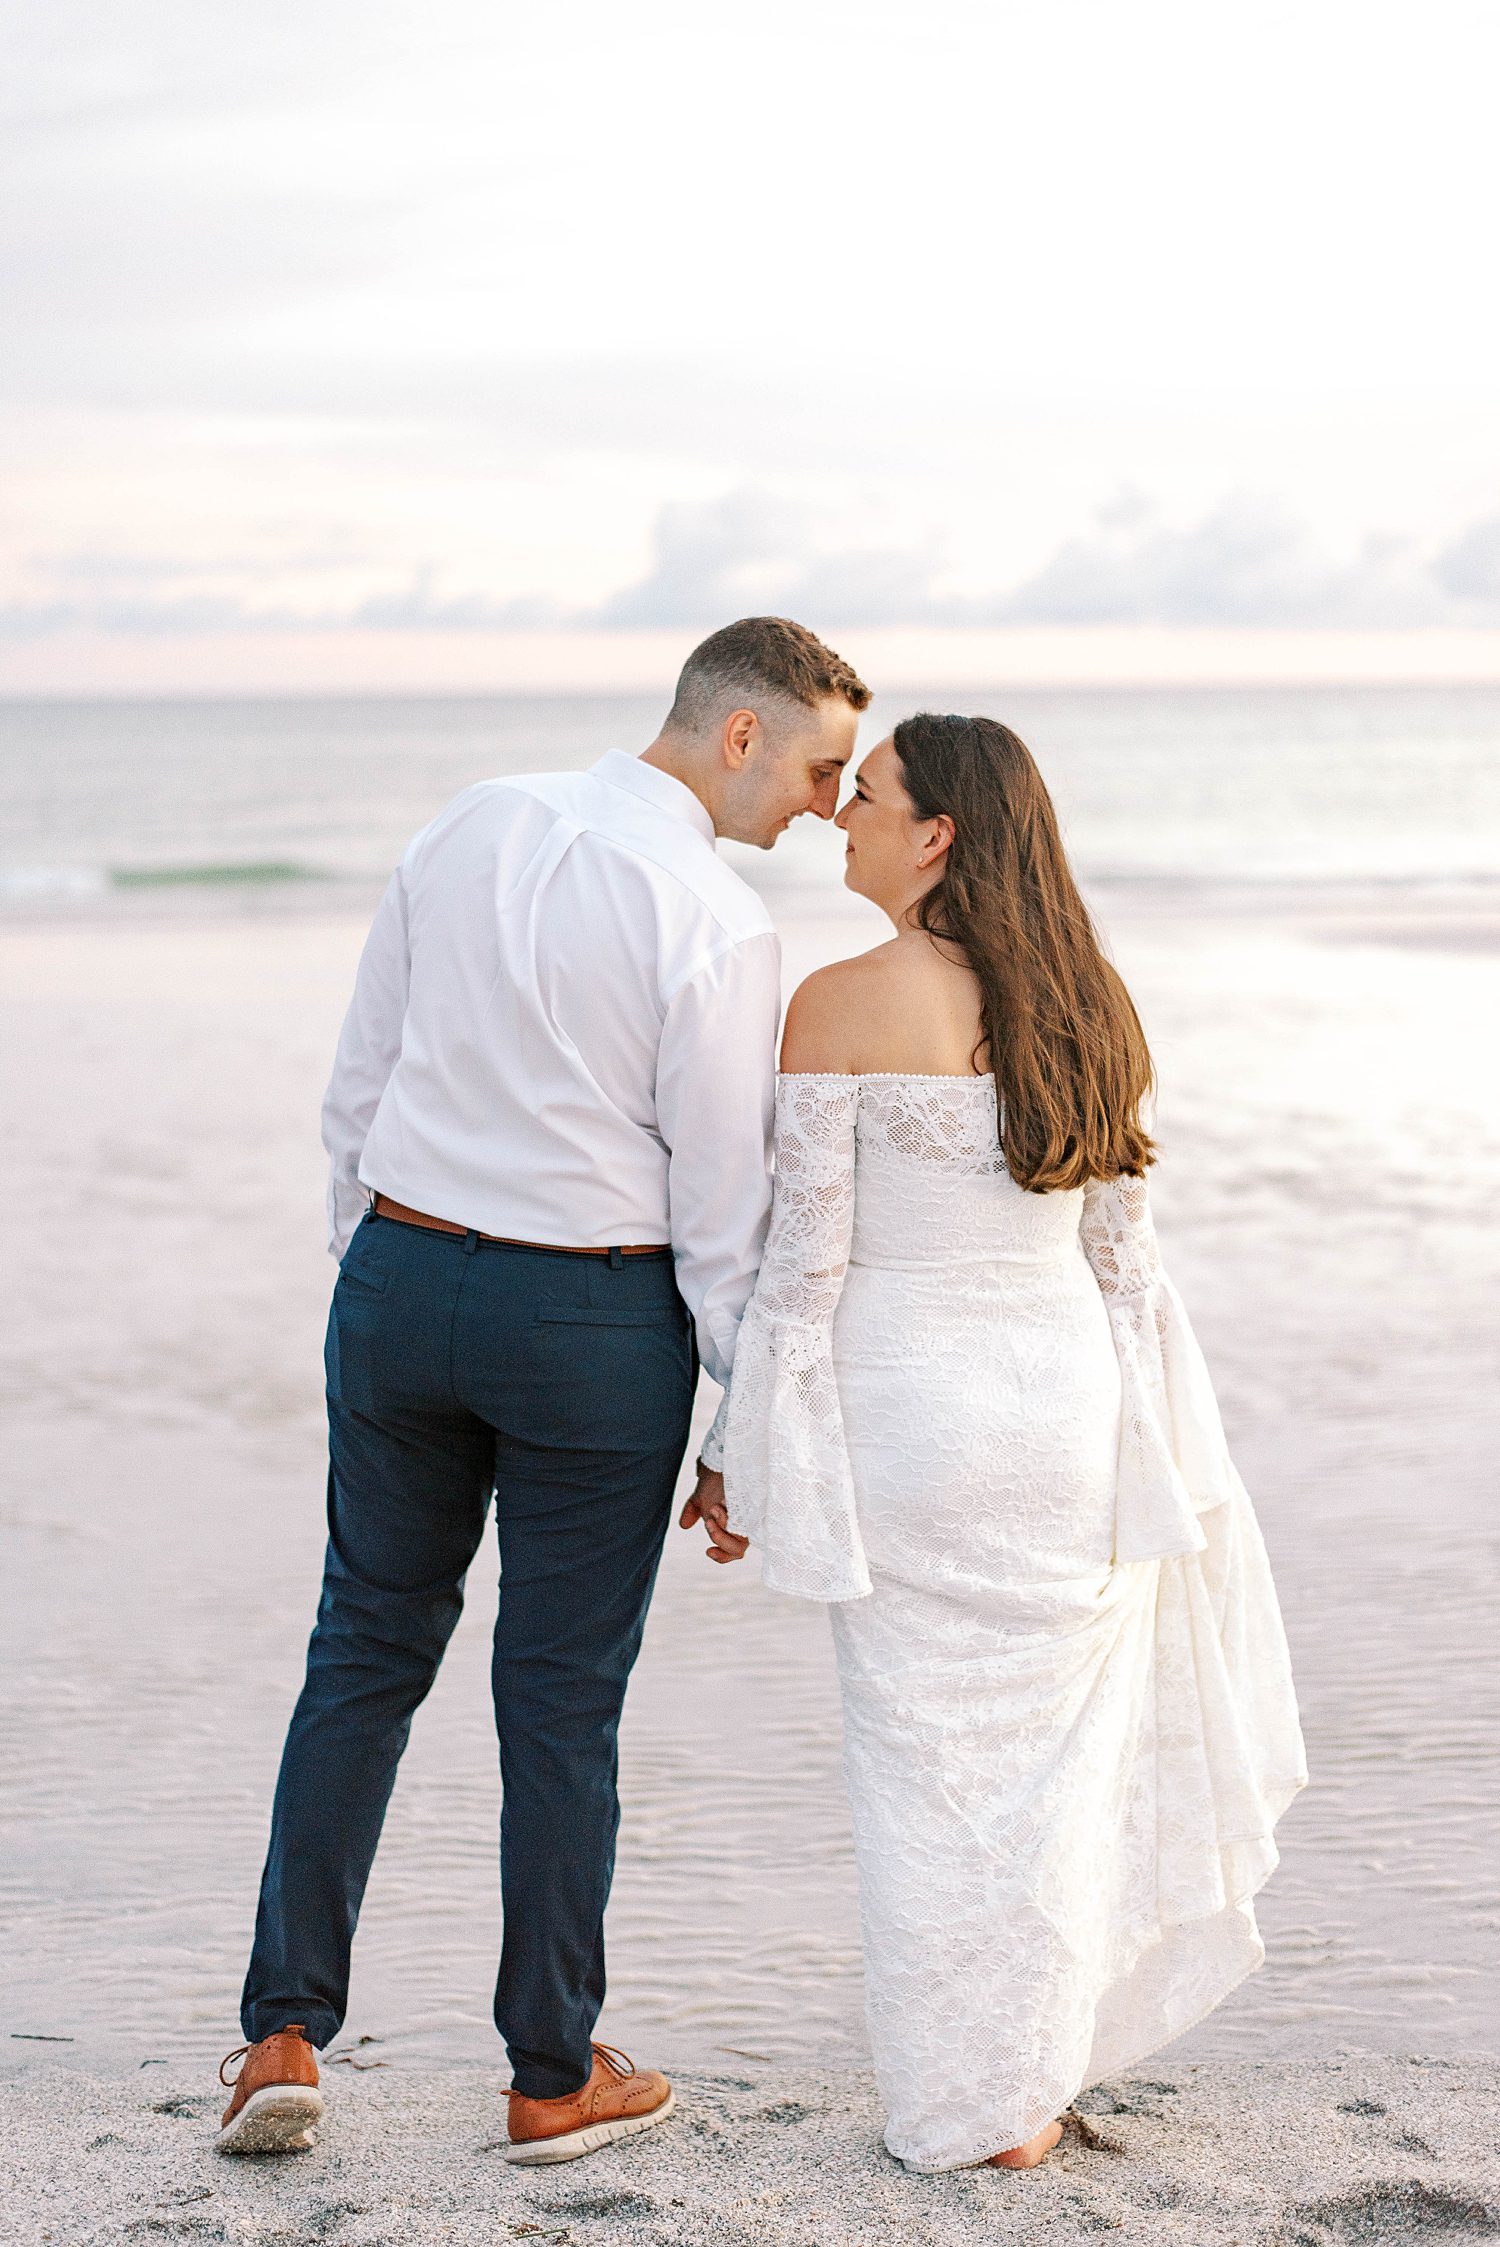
976 1421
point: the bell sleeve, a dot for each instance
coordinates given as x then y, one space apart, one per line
780 1429
1174 1463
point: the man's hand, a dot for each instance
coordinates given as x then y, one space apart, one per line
707 1505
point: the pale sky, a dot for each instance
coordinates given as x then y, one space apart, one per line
456 344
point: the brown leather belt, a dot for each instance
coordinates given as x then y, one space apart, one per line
383 1206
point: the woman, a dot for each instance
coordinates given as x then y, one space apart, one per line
968 1411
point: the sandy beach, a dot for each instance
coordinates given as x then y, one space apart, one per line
1359 2154
1330 1140
403 403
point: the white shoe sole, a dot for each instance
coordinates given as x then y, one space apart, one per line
280 2118
579 2142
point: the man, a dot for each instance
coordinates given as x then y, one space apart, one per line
548 1128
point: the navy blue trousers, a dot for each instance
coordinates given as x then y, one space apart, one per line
560 1385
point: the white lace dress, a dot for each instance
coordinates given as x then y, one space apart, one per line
976 1419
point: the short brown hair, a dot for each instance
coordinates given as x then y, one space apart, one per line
761 655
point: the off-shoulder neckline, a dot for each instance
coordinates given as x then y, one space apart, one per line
884 1076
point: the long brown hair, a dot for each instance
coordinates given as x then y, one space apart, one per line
1060 1033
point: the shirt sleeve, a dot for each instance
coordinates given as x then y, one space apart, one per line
715 1093
368 1048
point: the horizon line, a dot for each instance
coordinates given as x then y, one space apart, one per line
555 663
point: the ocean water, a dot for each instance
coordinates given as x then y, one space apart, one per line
1249 795
1304 893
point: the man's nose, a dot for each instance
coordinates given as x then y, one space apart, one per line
826 798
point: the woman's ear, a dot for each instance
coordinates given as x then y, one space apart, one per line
937 840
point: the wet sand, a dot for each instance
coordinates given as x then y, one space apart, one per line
1331 1118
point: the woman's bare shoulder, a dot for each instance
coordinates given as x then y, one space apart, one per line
897 1007
821 1030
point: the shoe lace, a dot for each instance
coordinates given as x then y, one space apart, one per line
242 2051
616 2061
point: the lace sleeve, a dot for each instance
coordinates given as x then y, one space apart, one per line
1174 1463
786 1467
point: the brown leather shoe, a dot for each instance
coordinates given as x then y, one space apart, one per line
616 2102
276 2103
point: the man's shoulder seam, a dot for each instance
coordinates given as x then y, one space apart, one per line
722 895
737 909
706 960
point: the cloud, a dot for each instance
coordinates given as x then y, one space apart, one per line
420 606
746 552
79 65
1244 563
154 188
750 551
151 597
730 554
100 593
1469 569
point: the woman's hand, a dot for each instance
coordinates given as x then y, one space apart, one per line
707 1505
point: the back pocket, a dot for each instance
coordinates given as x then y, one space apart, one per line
363 1280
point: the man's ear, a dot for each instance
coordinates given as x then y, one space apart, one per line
741 729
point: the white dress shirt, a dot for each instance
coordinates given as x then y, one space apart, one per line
563 1029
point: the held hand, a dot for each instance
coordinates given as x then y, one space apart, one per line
707 1505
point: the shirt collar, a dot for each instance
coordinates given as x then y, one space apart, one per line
657 788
